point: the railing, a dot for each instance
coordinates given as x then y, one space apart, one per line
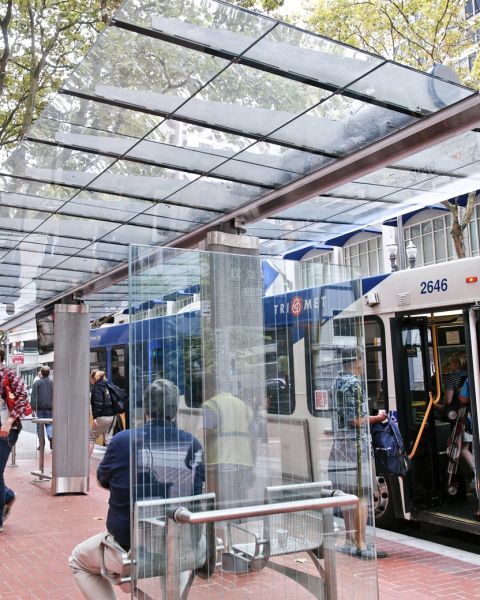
181 515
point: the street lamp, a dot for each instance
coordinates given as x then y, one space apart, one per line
392 255
411 251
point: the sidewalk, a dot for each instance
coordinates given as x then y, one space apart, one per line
42 530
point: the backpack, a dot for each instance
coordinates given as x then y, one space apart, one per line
118 398
389 451
10 398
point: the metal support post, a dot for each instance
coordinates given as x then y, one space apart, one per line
41 475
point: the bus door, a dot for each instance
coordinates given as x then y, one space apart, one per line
413 369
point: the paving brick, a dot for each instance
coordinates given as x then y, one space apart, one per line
42 530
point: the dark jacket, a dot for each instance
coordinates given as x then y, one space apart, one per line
42 394
100 400
154 442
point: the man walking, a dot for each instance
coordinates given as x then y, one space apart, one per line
42 400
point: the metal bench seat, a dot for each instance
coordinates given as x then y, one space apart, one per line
310 531
192 552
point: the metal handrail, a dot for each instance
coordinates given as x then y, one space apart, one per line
183 515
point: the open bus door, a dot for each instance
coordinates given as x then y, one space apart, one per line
413 382
427 495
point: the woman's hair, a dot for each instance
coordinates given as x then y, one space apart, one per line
98 375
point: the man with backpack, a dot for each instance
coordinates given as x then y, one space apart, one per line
350 450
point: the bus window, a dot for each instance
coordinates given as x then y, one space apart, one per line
280 385
374 355
119 372
98 360
193 373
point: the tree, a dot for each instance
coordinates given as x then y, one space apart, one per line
419 33
41 41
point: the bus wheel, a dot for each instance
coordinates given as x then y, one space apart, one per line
383 503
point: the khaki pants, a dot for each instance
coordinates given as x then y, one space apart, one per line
104 425
86 567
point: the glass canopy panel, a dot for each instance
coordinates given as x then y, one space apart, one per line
182 213
96 254
318 208
403 87
251 102
210 24
310 56
82 138
367 214
56 165
448 156
275 247
286 160
141 235
395 177
21 220
216 194
144 181
183 71
69 111
86 267
274 228
341 125
44 191
76 227
29 202
105 206
362 190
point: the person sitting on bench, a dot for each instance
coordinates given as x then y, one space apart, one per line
169 464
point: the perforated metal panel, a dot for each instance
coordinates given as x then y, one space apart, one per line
70 399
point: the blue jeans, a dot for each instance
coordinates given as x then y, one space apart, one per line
6 445
45 414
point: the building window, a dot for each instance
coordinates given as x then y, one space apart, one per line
471 60
432 239
469 9
365 256
312 276
474 232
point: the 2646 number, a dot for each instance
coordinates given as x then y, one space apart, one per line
429 287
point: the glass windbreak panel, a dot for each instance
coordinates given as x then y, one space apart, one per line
239 399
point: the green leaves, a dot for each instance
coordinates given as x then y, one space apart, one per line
41 41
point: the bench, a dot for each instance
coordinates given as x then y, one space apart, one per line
309 531
193 551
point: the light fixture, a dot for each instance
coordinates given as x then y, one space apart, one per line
411 251
392 255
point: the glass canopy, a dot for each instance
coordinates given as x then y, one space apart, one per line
211 109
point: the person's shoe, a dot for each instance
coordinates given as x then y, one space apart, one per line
7 508
348 548
370 552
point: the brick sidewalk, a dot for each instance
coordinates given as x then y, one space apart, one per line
38 538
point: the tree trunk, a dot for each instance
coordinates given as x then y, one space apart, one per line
457 236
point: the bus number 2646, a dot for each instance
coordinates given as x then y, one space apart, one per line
429 287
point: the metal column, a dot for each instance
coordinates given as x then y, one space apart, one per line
70 463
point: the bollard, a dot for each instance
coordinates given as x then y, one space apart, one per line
13 459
